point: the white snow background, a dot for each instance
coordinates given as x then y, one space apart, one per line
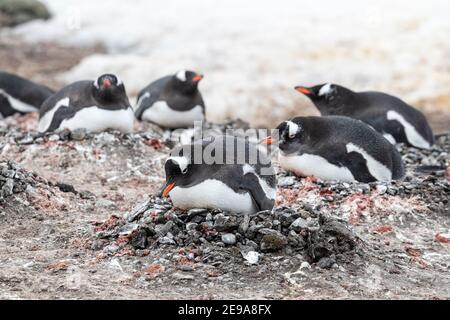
254 52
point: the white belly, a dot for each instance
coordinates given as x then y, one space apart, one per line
17 104
95 119
413 136
313 165
161 114
212 194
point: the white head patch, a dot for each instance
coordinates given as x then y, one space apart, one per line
119 81
293 128
326 89
96 83
181 161
181 75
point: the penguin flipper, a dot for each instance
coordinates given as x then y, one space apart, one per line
145 101
5 107
251 184
60 115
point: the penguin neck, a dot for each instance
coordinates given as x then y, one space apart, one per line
112 101
180 88
344 105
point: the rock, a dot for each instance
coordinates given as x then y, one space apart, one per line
326 262
243 226
194 212
252 257
112 248
225 223
138 210
298 225
15 12
286 181
78 134
64 187
272 240
331 238
86 195
164 229
229 238
305 265
166 240
139 239
105 203
191 226
182 276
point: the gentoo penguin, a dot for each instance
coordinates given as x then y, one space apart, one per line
93 105
173 101
396 120
336 148
19 95
223 172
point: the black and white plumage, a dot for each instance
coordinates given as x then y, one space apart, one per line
19 95
173 101
92 105
223 172
395 119
336 148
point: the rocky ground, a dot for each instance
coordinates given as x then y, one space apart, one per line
80 218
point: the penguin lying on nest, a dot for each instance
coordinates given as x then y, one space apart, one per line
173 101
336 148
223 172
19 95
395 119
92 105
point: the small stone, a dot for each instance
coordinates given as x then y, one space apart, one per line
305 265
252 257
105 203
183 276
139 239
298 225
78 134
191 226
286 181
229 238
112 248
326 262
273 241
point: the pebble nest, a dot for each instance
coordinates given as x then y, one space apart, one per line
311 226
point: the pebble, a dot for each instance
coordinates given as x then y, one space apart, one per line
229 238
286 181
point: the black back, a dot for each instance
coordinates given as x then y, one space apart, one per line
23 90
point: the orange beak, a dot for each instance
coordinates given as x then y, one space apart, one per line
197 78
303 90
267 141
168 188
106 83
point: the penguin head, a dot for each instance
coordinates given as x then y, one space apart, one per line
186 82
109 87
329 98
177 173
290 136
